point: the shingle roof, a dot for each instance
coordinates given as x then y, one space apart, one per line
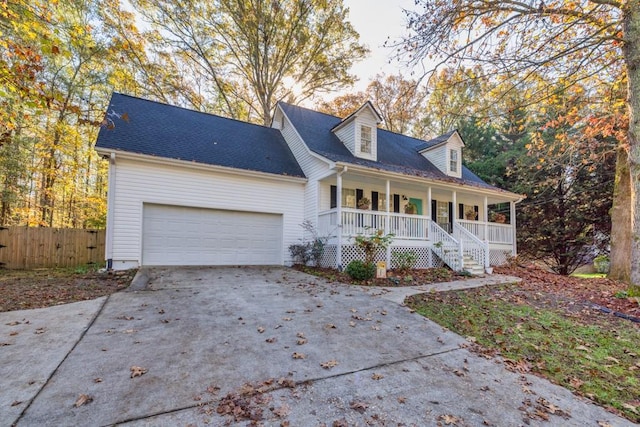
396 152
162 130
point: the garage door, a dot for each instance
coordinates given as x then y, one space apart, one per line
174 235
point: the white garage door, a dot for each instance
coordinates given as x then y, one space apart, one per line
174 235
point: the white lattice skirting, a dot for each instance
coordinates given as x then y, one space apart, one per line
498 256
425 256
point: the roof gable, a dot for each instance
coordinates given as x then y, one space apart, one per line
368 106
161 130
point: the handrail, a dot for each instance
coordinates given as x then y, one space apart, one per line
446 246
465 235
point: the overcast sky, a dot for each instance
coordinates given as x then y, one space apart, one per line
376 20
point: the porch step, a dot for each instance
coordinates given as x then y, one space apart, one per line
470 265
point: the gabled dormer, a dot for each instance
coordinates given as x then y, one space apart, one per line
359 132
445 152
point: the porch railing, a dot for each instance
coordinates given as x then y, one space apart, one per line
355 221
495 233
446 247
472 246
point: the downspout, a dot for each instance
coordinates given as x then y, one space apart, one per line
513 225
108 252
339 216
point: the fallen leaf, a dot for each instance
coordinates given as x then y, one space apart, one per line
449 419
97 380
137 371
359 406
300 335
330 326
297 355
604 424
402 400
632 408
261 329
282 411
287 319
329 364
575 382
271 340
83 399
377 377
352 324
16 402
301 341
13 334
14 323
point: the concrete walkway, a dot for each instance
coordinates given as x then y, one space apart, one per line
400 293
228 346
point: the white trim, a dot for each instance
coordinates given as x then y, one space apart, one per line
309 151
111 199
502 194
352 116
199 166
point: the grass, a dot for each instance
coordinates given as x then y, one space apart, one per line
590 275
598 360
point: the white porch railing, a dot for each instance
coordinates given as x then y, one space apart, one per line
355 221
446 247
472 246
495 233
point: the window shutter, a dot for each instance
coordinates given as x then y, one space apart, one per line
334 197
359 195
451 213
434 210
396 203
476 209
460 211
374 200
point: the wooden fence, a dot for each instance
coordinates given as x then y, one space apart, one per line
35 247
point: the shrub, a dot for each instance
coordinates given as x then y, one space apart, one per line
404 261
359 270
308 250
601 264
371 244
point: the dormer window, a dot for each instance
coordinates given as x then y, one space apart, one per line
365 139
453 161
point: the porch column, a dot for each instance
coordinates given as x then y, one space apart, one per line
512 205
339 219
429 213
486 218
455 209
387 225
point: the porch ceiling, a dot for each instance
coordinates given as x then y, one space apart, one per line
418 185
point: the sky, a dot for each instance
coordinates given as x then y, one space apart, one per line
376 20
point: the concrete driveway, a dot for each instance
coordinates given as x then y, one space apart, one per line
228 346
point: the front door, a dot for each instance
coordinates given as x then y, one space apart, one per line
417 203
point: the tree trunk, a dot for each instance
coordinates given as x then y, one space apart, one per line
621 220
631 51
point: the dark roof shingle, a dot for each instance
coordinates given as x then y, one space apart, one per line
396 152
162 130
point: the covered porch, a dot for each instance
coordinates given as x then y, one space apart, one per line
465 227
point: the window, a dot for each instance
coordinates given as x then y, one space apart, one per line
382 202
453 161
365 139
348 198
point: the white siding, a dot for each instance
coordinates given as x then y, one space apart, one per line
438 156
312 167
347 135
138 182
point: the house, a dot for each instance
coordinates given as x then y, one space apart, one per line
189 188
